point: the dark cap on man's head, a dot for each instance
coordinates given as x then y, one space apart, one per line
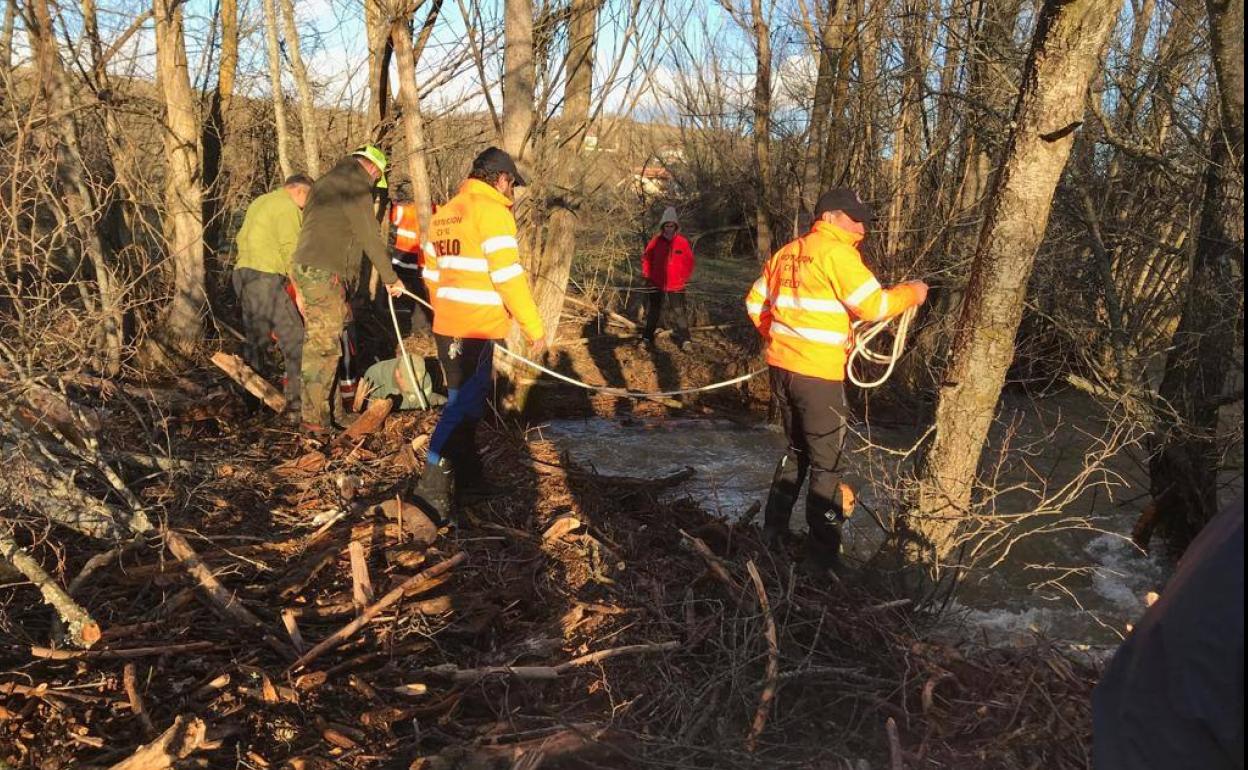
495 160
844 199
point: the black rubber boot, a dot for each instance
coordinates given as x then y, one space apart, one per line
435 493
786 483
469 467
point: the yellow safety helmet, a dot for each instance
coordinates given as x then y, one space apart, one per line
374 155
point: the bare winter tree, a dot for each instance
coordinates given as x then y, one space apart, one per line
184 223
307 104
1067 50
274 47
1185 466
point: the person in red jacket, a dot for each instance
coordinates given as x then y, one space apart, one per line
666 265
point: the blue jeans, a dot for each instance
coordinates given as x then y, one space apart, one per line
469 376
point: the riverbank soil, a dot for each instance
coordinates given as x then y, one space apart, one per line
276 615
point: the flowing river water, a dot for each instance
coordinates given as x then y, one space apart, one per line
1077 579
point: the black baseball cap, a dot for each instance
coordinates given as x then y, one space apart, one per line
493 160
844 199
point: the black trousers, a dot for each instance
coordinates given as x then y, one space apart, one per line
678 314
268 309
813 411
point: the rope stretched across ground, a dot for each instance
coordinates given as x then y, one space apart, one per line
868 332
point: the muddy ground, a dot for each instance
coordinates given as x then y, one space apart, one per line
580 622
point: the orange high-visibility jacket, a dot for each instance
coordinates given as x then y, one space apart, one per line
803 302
406 224
478 285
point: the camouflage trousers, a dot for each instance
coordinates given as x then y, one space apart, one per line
325 312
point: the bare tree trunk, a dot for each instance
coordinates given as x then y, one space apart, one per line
6 36
307 107
380 49
183 193
762 128
1184 468
1066 53
831 43
519 77
406 57
275 80
908 136
555 266
834 157
80 200
216 132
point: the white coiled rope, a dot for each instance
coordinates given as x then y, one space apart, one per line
868 332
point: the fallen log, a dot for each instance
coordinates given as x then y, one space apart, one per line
412 584
81 629
253 383
184 737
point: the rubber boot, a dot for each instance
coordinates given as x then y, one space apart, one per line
469 467
435 493
785 485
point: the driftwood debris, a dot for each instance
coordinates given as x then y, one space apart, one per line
773 661
713 562
186 735
368 422
225 602
413 585
253 383
82 630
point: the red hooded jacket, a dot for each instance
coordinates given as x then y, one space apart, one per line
666 264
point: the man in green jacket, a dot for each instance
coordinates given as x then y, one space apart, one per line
338 225
265 244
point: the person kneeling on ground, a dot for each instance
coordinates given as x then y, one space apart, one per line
478 287
666 265
265 243
388 378
802 306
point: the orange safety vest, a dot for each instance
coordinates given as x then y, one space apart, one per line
803 301
479 285
406 224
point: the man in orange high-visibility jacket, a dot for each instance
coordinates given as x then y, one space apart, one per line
802 305
410 255
478 288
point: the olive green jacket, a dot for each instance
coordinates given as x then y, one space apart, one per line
269 233
338 225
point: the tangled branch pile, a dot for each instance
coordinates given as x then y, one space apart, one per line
276 607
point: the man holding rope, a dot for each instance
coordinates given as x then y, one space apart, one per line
802 306
478 287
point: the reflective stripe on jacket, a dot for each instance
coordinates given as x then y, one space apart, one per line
803 302
406 224
478 285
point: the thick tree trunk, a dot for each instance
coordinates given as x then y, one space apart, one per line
406 57
80 200
831 45
215 134
274 46
380 49
1066 53
1184 467
908 135
183 193
519 77
307 106
550 277
762 129
6 36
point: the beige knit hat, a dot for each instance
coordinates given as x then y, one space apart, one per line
669 215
